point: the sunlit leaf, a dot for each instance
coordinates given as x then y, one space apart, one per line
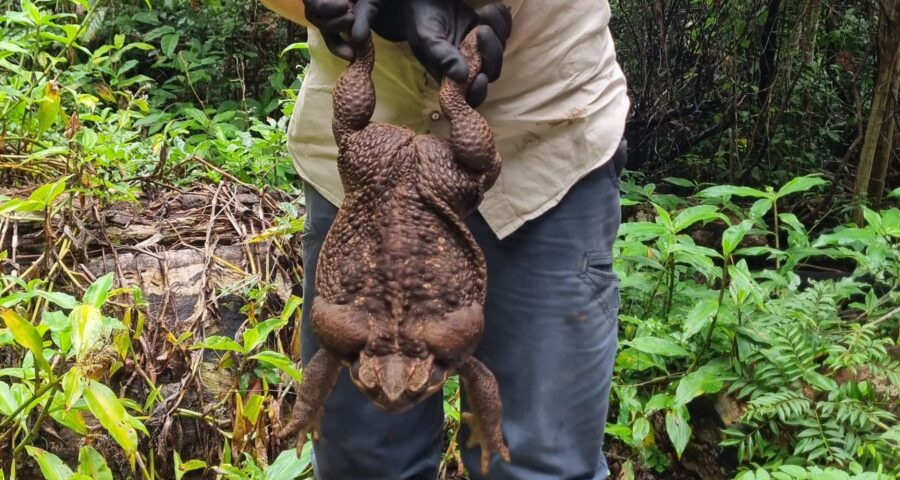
733 236
48 110
699 316
280 362
73 386
735 191
255 336
106 407
679 429
659 346
168 43
800 184
26 335
692 215
289 465
92 464
51 466
695 384
98 291
218 342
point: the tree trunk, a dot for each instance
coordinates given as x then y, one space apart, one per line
879 124
886 141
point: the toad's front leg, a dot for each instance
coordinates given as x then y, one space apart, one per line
319 378
484 419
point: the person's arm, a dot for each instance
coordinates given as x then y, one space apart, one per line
289 9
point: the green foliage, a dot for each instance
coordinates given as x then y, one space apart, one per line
102 99
114 109
806 361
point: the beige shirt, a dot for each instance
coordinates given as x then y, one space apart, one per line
558 110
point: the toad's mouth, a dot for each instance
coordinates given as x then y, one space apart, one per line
396 382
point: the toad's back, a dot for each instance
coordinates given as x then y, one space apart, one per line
397 247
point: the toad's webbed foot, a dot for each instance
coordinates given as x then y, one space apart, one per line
319 378
484 419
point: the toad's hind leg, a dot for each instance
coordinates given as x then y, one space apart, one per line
353 99
484 419
319 378
471 137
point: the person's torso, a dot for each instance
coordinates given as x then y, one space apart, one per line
558 109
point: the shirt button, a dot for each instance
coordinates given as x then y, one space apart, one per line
435 115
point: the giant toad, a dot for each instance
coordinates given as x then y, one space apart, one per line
400 283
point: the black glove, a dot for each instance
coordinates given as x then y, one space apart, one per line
435 28
335 17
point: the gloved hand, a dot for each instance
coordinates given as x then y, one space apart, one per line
335 17
435 28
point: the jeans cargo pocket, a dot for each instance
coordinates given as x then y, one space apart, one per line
597 271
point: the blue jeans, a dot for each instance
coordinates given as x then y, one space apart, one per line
549 338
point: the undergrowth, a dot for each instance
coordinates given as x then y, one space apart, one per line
780 329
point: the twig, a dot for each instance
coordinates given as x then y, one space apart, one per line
37 424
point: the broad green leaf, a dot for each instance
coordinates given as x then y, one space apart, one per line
217 342
699 317
51 466
663 217
86 327
9 47
73 386
108 409
62 300
679 429
641 230
659 346
800 184
46 194
8 401
692 215
302 46
290 307
742 284
846 236
98 291
793 470
760 208
280 362
26 335
48 109
168 43
634 360
184 467
733 236
699 258
695 384
71 419
722 190
819 381
255 336
253 407
660 401
289 465
681 182
92 464
640 429
197 116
